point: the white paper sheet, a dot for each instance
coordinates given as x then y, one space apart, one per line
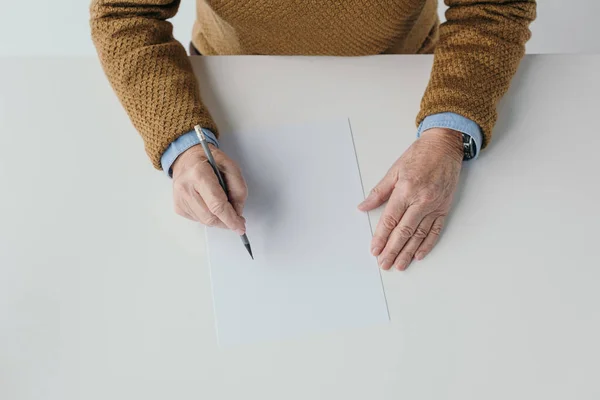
312 270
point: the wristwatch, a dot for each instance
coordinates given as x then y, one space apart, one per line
469 147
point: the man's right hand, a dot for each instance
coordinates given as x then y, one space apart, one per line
198 196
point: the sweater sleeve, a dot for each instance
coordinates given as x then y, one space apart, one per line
148 69
479 50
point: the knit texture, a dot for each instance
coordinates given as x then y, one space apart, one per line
478 50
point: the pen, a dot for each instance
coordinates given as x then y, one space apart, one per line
215 168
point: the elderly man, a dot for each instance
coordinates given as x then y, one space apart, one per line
477 52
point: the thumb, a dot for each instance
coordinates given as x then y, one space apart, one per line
379 195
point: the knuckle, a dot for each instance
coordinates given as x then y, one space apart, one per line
389 221
406 231
178 188
217 207
436 230
410 184
376 193
428 195
211 221
202 177
420 233
390 254
421 192
424 250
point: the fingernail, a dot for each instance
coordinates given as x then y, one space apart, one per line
419 256
240 232
375 251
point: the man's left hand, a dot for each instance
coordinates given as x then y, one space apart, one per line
420 187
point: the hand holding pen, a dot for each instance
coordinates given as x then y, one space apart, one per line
199 196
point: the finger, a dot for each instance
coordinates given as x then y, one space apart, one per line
380 193
203 215
238 191
184 213
400 236
431 239
216 202
394 210
410 248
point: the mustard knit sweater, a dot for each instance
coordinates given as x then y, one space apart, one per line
477 50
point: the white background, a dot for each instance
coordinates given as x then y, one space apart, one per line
60 27
105 293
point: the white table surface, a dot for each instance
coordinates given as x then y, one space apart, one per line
105 292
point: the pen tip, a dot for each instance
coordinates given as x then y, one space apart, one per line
249 250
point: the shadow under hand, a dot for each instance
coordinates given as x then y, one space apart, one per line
263 207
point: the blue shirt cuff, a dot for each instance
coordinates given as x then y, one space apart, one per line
181 144
455 122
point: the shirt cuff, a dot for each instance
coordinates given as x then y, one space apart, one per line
181 144
455 122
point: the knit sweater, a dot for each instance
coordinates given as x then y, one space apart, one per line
477 51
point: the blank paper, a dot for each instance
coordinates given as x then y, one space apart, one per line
312 271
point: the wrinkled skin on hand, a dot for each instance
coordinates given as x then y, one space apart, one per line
198 196
419 189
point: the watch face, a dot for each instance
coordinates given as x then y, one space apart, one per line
469 147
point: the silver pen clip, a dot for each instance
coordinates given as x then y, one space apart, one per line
199 133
